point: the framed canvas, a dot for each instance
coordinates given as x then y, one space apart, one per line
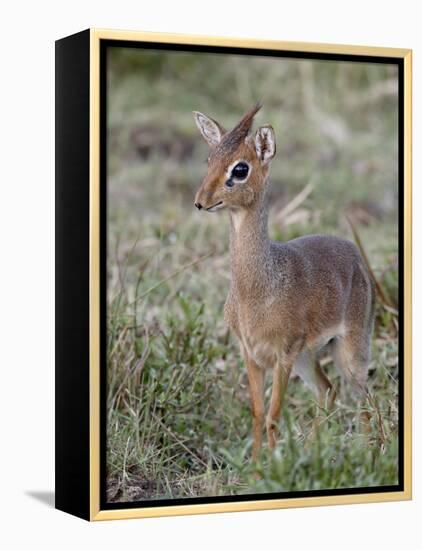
233 274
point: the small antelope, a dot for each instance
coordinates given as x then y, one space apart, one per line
287 301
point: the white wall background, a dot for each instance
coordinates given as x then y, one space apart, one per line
27 270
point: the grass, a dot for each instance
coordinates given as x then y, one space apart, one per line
179 421
178 414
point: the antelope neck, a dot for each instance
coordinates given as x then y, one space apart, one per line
250 244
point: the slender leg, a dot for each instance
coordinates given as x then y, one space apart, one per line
352 352
310 371
281 375
256 389
352 356
326 391
326 397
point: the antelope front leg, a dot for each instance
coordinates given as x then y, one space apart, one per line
256 389
281 375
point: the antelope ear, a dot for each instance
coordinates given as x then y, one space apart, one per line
265 144
211 131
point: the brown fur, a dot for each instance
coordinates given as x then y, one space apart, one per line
287 301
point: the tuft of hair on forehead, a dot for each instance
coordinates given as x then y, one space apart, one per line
232 139
244 125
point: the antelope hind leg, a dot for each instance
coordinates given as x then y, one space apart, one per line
307 367
352 356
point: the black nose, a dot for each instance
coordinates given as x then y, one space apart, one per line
198 205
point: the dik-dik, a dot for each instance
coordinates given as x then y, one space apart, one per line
287 301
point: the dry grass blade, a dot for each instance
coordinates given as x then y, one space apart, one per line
171 276
295 202
378 418
134 372
384 299
174 436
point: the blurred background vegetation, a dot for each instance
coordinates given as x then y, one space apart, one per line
178 409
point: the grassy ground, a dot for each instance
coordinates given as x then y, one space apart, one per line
179 423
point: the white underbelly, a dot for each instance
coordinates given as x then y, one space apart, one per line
263 353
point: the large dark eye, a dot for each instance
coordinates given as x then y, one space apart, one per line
240 171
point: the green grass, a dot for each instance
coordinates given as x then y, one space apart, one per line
179 421
178 414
